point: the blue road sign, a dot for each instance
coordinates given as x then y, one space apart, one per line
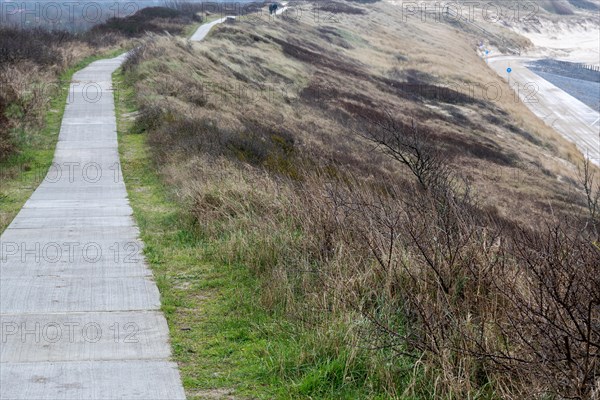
509 70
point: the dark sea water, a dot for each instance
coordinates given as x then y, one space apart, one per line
581 83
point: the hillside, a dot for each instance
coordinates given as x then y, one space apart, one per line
323 86
395 223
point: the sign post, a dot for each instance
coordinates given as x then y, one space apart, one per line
509 70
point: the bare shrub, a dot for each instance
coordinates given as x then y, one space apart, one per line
432 261
552 309
36 45
412 146
591 189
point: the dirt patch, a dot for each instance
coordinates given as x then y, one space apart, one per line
214 394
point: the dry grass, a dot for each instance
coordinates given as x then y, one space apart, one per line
380 210
33 61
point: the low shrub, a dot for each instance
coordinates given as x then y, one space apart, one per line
151 19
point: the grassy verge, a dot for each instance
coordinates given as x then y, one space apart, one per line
21 173
213 336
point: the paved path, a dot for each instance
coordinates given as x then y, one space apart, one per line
570 117
203 30
79 309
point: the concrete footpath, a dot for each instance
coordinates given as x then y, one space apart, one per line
79 310
203 30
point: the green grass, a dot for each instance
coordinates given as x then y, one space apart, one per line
21 173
